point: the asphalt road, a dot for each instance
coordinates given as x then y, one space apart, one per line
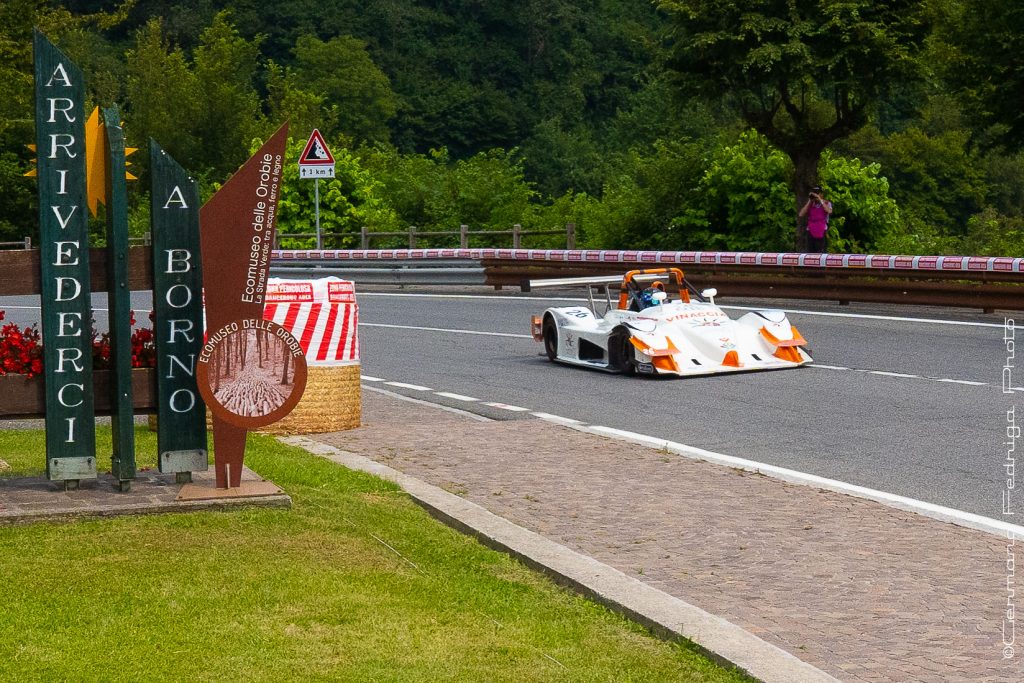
933 434
935 429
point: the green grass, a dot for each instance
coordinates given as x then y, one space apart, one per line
313 593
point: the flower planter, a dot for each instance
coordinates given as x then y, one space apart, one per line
22 396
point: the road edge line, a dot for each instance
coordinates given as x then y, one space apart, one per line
931 510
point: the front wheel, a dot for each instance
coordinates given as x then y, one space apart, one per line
550 338
621 357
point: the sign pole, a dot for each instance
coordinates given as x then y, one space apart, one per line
316 162
316 210
122 414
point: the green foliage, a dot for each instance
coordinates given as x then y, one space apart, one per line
356 94
18 209
487 191
743 202
349 201
162 92
984 63
230 116
802 74
643 196
611 115
863 211
991 233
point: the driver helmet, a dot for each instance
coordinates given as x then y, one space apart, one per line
652 296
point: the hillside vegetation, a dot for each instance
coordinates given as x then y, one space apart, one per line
674 124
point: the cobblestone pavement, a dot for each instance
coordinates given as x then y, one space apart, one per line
859 590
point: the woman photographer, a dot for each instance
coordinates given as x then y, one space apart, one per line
817 209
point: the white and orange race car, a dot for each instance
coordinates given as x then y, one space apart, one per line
661 325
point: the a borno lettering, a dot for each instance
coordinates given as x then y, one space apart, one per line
176 198
173 329
175 404
190 370
170 293
178 256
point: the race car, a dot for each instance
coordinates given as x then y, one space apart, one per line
651 333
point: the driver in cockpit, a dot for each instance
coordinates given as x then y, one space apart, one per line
653 296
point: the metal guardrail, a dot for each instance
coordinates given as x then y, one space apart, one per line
971 282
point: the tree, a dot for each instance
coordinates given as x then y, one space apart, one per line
163 96
356 94
987 63
225 66
803 73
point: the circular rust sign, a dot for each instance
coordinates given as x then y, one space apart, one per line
251 372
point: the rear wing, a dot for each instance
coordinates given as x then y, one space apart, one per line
603 282
633 281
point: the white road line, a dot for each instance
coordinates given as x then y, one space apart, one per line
367 378
894 374
457 397
939 512
505 406
444 329
866 316
902 375
403 385
472 416
556 419
869 316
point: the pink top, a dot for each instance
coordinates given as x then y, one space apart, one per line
817 220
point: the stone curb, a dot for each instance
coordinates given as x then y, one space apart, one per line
666 615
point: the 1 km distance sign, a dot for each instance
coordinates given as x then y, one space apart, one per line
316 161
251 372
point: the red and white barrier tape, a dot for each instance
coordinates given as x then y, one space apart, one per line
322 314
973 264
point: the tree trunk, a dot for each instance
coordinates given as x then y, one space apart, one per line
805 172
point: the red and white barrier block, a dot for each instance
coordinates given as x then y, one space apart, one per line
322 314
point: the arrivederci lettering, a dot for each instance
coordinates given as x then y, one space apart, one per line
68 287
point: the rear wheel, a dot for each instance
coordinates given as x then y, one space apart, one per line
550 338
621 357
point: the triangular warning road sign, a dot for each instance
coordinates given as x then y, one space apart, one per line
316 152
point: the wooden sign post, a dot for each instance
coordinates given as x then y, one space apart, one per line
122 416
64 263
238 366
178 316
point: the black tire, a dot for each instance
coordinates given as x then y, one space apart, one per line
550 338
621 357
